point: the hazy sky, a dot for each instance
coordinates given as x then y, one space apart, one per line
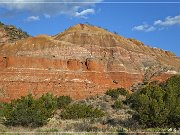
155 24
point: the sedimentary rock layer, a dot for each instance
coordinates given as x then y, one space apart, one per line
81 61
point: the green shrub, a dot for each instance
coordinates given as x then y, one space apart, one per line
118 104
27 111
158 105
1 109
172 88
123 91
2 112
79 111
63 101
114 93
150 106
47 101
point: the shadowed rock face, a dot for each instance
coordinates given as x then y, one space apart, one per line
81 61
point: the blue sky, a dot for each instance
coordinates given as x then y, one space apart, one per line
155 24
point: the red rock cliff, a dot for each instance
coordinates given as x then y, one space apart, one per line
82 61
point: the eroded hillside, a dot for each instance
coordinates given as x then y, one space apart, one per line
83 60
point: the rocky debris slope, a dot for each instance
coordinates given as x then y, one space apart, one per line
83 60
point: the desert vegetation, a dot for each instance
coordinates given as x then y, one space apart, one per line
28 111
80 111
114 93
152 108
157 105
13 32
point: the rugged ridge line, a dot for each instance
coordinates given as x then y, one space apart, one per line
9 34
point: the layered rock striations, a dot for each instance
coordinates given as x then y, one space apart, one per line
83 60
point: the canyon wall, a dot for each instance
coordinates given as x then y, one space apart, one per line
82 61
20 76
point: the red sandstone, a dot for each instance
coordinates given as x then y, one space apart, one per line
80 62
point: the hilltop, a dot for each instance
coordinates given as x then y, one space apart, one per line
9 34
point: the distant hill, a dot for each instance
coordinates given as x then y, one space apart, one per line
9 33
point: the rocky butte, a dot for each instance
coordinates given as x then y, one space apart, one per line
83 60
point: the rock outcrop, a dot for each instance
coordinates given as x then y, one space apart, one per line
82 61
9 34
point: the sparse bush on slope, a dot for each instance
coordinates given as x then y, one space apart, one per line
114 93
27 111
158 105
63 101
80 111
150 106
118 104
172 88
